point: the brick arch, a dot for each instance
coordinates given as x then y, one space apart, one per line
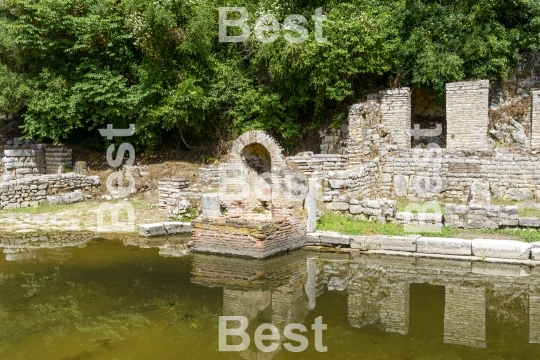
261 138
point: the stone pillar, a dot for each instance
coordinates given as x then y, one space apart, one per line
211 205
534 319
465 315
396 115
535 119
467 115
375 300
310 203
311 283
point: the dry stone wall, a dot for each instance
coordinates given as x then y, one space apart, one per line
23 158
31 191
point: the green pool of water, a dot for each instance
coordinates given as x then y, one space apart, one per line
118 300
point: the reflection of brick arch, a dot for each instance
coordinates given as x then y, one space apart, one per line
261 138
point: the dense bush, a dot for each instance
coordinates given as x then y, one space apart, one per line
68 66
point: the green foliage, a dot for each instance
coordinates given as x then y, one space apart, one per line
68 66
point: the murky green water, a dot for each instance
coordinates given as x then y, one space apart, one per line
118 300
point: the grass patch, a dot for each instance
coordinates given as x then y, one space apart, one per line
42 208
498 201
349 225
424 206
529 212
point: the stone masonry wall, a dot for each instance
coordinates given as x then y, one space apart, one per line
23 158
56 158
22 163
535 119
396 115
350 185
31 191
480 217
436 174
309 163
170 189
467 115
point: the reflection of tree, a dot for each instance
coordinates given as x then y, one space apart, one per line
110 297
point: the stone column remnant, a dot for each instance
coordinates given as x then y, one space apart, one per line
396 115
535 119
467 115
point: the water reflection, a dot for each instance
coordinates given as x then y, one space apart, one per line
378 293
481 308
264 291
59 246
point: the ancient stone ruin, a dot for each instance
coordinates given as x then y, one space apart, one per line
258 210
35 173
397 144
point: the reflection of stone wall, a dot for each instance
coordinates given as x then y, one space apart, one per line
534 318
379 301
54 246
465 315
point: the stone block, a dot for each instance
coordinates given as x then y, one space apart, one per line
63 199
383 242
14 153
333 238
312 238
176 227
535 253
338 206
155 229
504 249
445 246
480 194
211 205
529 222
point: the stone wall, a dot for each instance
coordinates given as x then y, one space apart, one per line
361 117
309 163
169 189
535 119
345 186
480 217
31 191
467 115
334 141
439 174
24 158
56 158
396 115
25 162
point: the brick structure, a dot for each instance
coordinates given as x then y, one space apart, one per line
467 115
262 199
